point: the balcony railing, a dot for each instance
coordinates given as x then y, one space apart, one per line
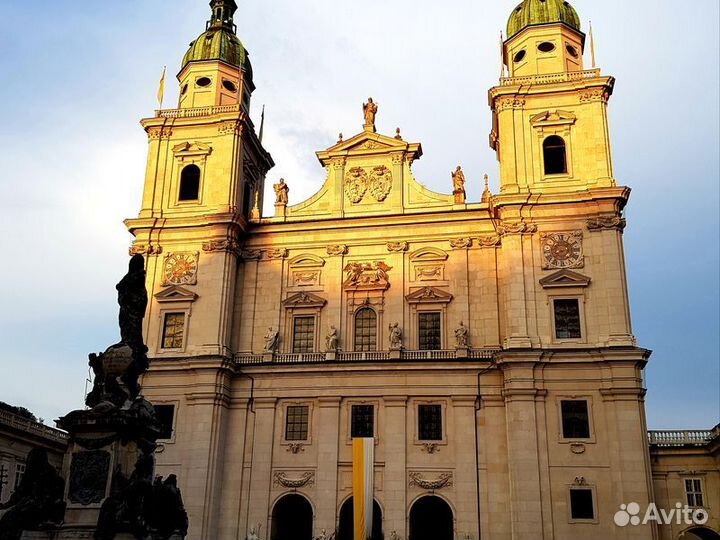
374 356
32 427
198 111
683 437
551 78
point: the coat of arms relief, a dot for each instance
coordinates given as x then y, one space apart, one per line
358 181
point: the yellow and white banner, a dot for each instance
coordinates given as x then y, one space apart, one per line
363 488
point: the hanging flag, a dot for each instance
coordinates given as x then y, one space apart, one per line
502 56
262 125
592 46
161 89
363 488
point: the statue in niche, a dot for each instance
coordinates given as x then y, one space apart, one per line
37 500
395 337
370 110
461 336
281 193
331 340
271 340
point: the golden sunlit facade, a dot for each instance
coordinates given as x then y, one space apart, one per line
485 346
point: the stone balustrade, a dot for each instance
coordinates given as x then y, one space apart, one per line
683 437
373 356
198 112
30 426
551 78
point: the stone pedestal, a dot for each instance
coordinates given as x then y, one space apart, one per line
462 353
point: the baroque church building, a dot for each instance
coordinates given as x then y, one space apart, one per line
486 347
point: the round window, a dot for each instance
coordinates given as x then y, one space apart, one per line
519 57
203 81
229 86
572 51
546 47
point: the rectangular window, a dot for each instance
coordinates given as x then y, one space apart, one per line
19 473
362 421
575 419
296 423
173 331
430 422
581 504
693 491
303 334
567 319
166 416
429 331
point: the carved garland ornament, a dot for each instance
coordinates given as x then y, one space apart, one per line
606 223
443 481
461 243
144 249
337 250
489 241
281 479
516 228
397 247
222 246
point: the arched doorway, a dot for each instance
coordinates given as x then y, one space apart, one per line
431 518
700 533
292 519
345 530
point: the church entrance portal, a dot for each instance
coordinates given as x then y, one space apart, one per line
431 518
345 531
292 519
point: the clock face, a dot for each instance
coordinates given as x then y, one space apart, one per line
563 250
181 269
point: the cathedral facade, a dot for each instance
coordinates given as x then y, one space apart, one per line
485 346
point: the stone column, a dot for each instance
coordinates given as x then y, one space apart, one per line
328 435
525 493
261 469
395 480
466 478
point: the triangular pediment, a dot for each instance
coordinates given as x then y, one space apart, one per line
188 149
368 143
565 278
553 118
176 294
306 300
429 295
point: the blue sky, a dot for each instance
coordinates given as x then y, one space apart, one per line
77 77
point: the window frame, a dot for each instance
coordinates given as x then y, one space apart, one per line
354 329
198 200
378 422
543 148
591 424
420 314
583 339
176 405
443 421
694 494
18 474
283 409
163 321
593 493
313 332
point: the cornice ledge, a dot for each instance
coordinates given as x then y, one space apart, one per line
623 394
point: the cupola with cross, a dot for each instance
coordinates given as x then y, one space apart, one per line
550 123
216 69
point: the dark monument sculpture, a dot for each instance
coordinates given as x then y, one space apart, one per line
109 465
36 502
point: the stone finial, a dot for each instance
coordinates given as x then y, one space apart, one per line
397 135
340 138
487 195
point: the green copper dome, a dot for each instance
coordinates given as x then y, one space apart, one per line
532 12
219 41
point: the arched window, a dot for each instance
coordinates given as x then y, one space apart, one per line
365 330
555 155
190 183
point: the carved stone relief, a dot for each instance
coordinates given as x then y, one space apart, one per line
444 480
89 477
281 479
606 223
